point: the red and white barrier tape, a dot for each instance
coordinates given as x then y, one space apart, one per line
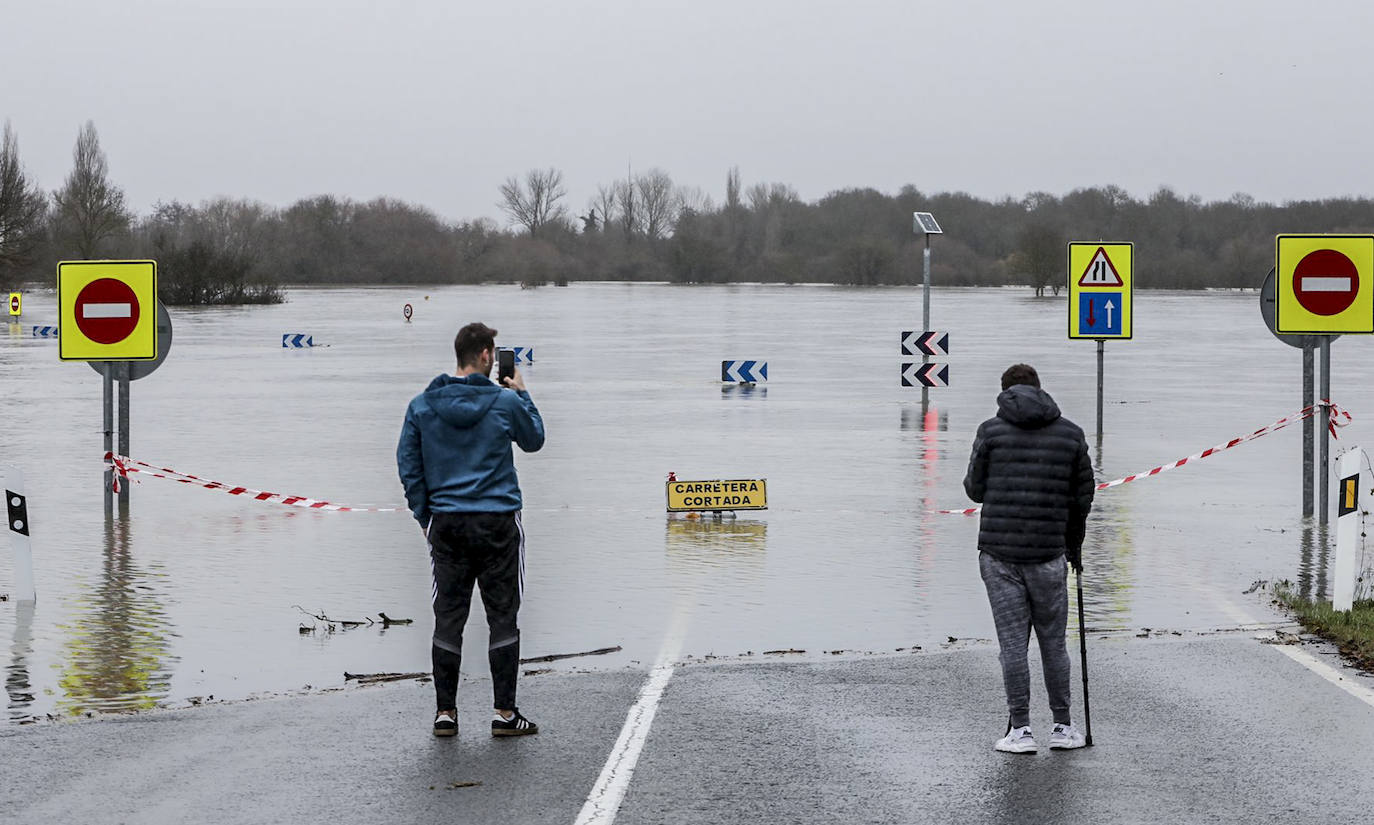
123 466
1336 417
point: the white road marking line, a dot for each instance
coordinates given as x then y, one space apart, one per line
107 310
603 803
1325 283
1327 672
1299 655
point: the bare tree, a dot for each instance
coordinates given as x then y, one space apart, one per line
695 199
626 200
22 208
1039 255
535 203
658 202
604 204
90 210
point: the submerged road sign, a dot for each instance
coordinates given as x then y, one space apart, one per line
925 343
1100 289
107 310
1325 284
16 304
735 494
925 375
745 372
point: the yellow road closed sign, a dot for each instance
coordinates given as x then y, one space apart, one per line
107 310
733 494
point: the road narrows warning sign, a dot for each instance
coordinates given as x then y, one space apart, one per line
1100 271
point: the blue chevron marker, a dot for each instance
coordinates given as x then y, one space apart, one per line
45 332
744 372
297 340
523 355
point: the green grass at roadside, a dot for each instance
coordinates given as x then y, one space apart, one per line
1352 632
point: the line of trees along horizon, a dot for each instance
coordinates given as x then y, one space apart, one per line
644 227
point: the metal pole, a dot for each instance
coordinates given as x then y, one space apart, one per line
1307 432
1324 471
925 319
1101 346
108 396
123 430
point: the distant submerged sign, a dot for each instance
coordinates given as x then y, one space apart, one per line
735 494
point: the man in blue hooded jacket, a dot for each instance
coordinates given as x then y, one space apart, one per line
458 470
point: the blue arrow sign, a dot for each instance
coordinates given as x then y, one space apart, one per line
523 355
45 332
1099 313
297 340
747 372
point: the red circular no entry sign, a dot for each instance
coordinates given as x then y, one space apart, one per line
106 311
14 304
1325 282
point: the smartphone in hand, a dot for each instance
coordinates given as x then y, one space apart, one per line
505 365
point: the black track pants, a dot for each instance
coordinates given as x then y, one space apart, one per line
488 549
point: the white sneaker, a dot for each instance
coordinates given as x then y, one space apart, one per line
1065 737
1017 740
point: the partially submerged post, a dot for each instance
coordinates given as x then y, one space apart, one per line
1348 531
17 516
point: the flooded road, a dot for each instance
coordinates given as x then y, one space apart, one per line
199 593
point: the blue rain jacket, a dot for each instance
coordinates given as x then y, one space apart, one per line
455 455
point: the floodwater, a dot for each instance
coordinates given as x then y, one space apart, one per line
198 593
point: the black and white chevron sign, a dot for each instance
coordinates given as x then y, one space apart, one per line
925 343
747 372
925 375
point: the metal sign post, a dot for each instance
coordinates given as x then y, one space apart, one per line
924 223
108 406
122 373
1324 461
1309 345
1101 348
1307 431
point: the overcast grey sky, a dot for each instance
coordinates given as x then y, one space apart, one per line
437 101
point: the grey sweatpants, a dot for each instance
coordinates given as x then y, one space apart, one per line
1023 596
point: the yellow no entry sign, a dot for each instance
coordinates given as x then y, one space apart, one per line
107 310
1100 289
1324 284
16 304
735 494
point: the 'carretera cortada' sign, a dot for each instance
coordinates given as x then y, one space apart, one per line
734 494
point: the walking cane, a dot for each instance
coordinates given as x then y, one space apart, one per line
1083 650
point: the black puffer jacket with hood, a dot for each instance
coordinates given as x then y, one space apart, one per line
1030 469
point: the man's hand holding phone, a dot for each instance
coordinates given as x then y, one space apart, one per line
513 381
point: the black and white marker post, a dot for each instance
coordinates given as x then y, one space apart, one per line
17 512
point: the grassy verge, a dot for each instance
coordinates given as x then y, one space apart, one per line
1352 632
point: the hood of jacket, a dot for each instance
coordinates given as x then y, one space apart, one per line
1027 407
461 401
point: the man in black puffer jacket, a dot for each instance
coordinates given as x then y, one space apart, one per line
1030 470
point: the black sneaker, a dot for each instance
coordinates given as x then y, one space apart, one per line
517 725
445 724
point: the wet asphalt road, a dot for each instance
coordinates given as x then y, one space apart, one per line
1208 729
